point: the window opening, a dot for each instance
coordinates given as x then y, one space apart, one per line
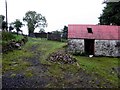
89 30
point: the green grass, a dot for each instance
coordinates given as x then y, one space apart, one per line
15 56
15 60
57 70
29 73
101 66
45 47
18 37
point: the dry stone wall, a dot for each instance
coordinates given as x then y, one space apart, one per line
102 47
76 45
107 47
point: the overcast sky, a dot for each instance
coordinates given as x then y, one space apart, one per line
57 12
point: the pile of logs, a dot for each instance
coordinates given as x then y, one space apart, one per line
61 57
12 45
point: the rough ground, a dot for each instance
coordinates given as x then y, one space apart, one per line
41 79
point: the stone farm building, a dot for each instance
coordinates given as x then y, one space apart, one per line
98 40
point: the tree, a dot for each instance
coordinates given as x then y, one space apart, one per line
42 30
17 25
65 32
34 20
56 32
1 19
3 24
10 28
111 14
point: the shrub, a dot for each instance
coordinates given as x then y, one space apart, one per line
7 36
10 41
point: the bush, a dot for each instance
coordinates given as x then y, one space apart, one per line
12 41
7 36
13 44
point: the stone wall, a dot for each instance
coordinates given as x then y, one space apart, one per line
54 37
107 47
102 47
76 45
40 35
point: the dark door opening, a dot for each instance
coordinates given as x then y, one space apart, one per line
89 46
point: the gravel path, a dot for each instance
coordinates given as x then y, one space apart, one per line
40 79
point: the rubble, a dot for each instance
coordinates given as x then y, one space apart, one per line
61 57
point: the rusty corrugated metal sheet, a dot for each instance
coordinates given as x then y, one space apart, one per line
100 32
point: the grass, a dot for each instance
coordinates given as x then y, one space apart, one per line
58 70
8 60
46 47
29 73
18 37
15 60
101 66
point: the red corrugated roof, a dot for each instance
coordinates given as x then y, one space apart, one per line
100 32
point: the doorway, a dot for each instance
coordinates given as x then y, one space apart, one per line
89 46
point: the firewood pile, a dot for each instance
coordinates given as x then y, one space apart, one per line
61 57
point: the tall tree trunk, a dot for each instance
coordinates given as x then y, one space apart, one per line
31 32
